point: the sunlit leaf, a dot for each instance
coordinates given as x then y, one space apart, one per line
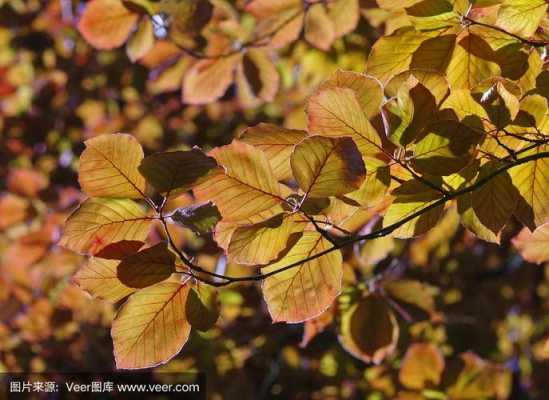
422 366
151 327
521 17
369 330
99 277
246 188
326 167
100 222
108 167
319 28
315 326
257 78
277 143
413 292
533 246
303 292
141 41
106 24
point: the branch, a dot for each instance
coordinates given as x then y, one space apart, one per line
533 43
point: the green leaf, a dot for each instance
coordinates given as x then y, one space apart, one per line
201 218
177 171
521 17
326 167
202 309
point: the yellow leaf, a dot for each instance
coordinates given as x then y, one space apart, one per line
374 187
257 78
245 188
344 15
369 330
303 292
412 292
445 148
532 181
263 242
108 167
319 28
473 61
99 278
411 197
533 246
277 143
141 41
422 366
326 167
106 24
432 14
207 80
176 171
151 327
368 90
521 17
435 82
338 112
100 222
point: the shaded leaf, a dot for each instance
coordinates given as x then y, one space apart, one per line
201 218
201 308
412 292
176 171
147 267
257 78
119 250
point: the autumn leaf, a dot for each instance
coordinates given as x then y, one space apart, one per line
201 309
533 246
521 17
151 327
108 167
147 267
246 187
369 330
99 222
277 143
99 277
119 250
422 366
177 171
106 24
326 167
257 78
141 41
201 218
303 292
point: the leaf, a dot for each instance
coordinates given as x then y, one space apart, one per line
533 246
13 210
521 17
201 309
432 14
344 15
367 89
100 222
319 28
119 250
495 201
472 62
177 171
263 242
434 82
315 326
108 167
201 218
147 267
188 17
99 278
303 292
141 41
422 366
470 220
413 292
106 24
532 181
246 188
369 330
199 86
277 143
337 112
375 186
411 197
326 167
151 327
445 148
257 78
391 55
